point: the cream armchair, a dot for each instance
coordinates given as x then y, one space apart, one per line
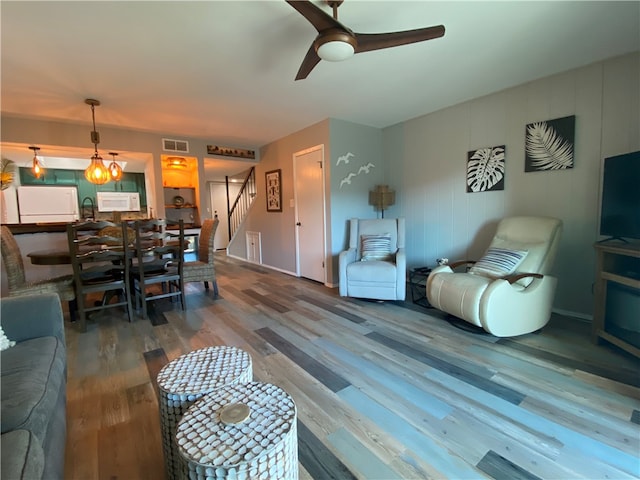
509 291
375 264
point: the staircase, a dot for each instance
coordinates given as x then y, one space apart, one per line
240 207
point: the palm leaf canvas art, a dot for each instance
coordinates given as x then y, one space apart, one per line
549 145
485 169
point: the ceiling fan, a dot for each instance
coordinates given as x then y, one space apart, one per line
335 42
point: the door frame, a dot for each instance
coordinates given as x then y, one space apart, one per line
324 207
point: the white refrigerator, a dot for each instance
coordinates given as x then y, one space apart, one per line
48 204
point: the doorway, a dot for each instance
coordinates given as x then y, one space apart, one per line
218 193
309 194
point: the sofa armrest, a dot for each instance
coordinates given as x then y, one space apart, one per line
32 316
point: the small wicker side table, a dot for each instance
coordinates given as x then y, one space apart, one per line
186 379
244 431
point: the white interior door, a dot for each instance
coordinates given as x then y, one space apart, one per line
308 166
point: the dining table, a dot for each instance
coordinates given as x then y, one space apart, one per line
50 257
57 256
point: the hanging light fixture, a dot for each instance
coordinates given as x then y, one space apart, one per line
36 167
96 172
115 170
176 162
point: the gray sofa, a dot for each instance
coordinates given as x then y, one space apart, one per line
33 388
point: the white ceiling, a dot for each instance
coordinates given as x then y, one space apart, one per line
224 71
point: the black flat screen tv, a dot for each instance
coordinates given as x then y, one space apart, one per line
620 208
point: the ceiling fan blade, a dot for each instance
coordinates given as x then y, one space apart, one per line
311 59
377 41
320 19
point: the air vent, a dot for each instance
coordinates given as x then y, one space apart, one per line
169 145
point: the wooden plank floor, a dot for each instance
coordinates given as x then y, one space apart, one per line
383 390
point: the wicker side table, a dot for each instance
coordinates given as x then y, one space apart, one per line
186 379
246 431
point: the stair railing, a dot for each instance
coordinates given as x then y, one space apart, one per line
244 199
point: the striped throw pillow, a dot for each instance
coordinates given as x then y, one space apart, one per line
375 247
498 262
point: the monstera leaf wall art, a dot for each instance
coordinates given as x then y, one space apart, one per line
549 145
485 169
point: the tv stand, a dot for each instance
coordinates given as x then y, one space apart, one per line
623 240
620 264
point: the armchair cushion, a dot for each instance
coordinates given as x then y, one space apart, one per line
499 262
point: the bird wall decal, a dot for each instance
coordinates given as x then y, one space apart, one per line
366 168
344 158
347 179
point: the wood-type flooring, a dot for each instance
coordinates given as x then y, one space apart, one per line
383 390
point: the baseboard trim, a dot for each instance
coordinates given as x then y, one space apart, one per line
568 313
287 272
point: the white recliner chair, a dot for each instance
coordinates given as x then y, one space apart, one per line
509 290
375 264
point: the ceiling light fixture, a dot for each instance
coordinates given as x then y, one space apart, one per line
176 162
335 46
115 170
36 167
96 172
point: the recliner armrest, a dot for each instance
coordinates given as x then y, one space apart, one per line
459 263
347 256
519 276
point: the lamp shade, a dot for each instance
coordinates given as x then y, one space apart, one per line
382 198
115 170
97 172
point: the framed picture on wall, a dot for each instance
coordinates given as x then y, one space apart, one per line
274 190
549 145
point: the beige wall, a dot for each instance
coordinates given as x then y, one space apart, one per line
277 229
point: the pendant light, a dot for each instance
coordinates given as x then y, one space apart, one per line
36 167
115 170
96 172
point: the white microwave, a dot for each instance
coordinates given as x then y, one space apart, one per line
118 201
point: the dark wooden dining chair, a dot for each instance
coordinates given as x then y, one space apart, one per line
203 269
159 263
100 257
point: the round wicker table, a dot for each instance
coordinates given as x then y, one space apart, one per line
244 431
186 379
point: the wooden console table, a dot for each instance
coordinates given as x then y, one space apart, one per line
618 263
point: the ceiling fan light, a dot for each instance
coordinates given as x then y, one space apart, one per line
335 51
